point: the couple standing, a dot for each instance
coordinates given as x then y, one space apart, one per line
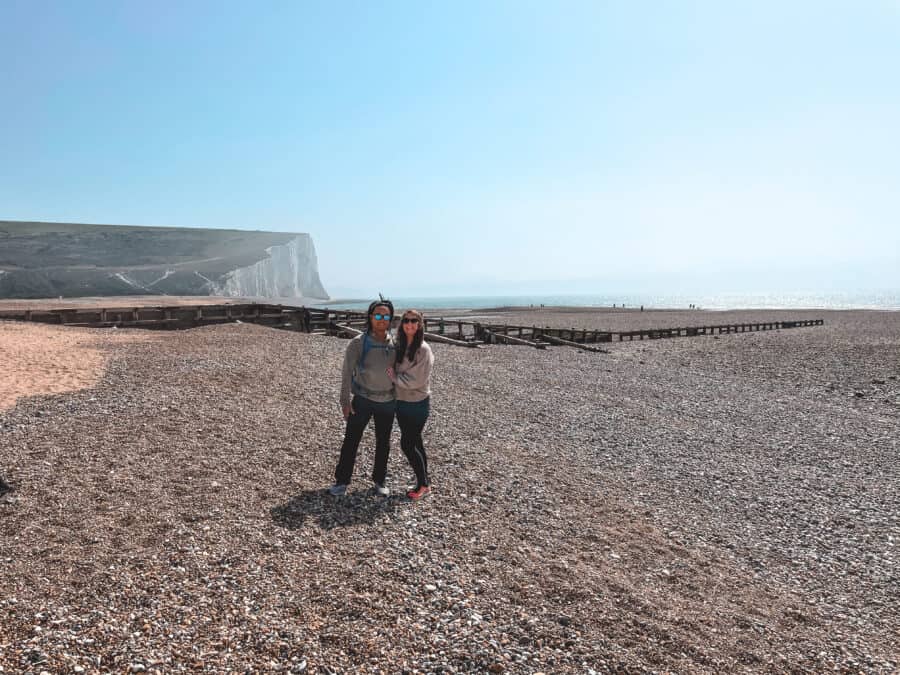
386 377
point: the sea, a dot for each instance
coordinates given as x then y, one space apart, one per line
883 300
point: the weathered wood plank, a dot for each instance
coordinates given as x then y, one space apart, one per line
512 340
443 339
568 343
346 330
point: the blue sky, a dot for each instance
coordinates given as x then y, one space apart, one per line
475 147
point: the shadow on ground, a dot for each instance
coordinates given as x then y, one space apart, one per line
4 487
355 508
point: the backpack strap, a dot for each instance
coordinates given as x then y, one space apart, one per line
366 346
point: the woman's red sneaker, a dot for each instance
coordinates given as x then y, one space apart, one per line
419 492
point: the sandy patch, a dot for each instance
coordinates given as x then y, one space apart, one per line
42 359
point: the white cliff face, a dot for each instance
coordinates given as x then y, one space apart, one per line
290 271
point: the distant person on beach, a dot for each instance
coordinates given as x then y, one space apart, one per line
411 375
367 392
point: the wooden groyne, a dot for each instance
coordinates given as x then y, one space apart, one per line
182 316
577 337
347 323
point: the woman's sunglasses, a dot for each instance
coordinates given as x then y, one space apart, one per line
410 319
382 317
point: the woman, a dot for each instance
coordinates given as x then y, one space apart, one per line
411 375
364 377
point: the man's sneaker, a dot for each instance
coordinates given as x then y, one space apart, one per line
381 490
418 493
337 490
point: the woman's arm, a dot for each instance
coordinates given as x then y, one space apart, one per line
418 374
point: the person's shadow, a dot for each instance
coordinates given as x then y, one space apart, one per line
354 508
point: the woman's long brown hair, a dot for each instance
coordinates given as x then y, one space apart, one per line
409 350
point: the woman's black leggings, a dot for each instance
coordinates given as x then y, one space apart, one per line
411 418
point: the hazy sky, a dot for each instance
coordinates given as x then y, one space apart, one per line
475 147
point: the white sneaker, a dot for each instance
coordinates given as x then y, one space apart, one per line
337 490
381 490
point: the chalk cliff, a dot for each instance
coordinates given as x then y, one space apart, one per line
71 259
291 270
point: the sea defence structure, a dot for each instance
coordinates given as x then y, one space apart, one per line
344 323
43 260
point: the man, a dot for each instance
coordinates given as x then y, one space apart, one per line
366 393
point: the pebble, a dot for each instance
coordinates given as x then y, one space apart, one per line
177 510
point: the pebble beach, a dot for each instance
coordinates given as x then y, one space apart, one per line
694 505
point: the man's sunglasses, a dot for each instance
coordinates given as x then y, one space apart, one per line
410 319
382 317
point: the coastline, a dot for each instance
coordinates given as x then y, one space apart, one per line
431 306
886 299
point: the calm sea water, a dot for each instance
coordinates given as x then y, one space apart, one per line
857 300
